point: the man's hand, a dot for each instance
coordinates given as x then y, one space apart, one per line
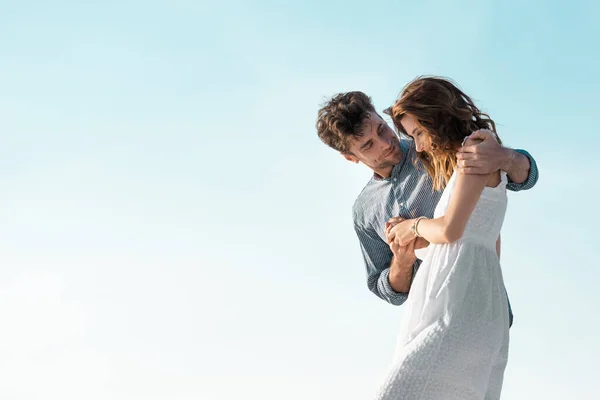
403 248
401 267
482 154
404 255
421 243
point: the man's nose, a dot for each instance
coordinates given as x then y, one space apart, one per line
386 143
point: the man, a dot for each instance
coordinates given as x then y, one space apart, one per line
349 124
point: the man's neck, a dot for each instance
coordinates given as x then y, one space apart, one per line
384 172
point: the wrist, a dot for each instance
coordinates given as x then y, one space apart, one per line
415 227
508 160
399 265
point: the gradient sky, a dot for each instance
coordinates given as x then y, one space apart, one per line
172 228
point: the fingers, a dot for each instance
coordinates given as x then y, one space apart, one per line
421 243
395 220
473 161
407 239
391 223
473 167
389 237
400 250
470 163
482 134
473 171
467 149
471 143
388 231
408 243
467 156
396 230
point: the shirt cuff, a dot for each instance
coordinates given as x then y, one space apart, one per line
393 297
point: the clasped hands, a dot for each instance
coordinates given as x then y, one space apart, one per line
402 240
399 231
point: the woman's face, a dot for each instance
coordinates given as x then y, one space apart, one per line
413 129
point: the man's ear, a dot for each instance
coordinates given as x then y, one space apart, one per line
350 157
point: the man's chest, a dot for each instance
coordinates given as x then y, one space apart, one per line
405 195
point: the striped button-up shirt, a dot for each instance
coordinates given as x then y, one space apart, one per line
407 193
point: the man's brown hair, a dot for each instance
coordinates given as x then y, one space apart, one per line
341 119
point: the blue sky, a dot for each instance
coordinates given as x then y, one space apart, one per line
172 228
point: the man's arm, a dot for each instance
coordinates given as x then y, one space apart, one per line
483 154
389 276
401 267
516 165
522 172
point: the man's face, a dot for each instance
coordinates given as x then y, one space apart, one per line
378 147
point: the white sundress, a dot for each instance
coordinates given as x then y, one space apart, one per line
453 341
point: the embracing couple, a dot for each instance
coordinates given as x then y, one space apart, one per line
435 204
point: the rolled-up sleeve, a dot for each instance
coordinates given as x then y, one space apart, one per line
377 257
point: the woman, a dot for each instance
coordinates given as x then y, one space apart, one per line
454 337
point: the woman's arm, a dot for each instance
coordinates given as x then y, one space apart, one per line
450 227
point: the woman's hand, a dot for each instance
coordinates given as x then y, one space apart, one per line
388 227
400 231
